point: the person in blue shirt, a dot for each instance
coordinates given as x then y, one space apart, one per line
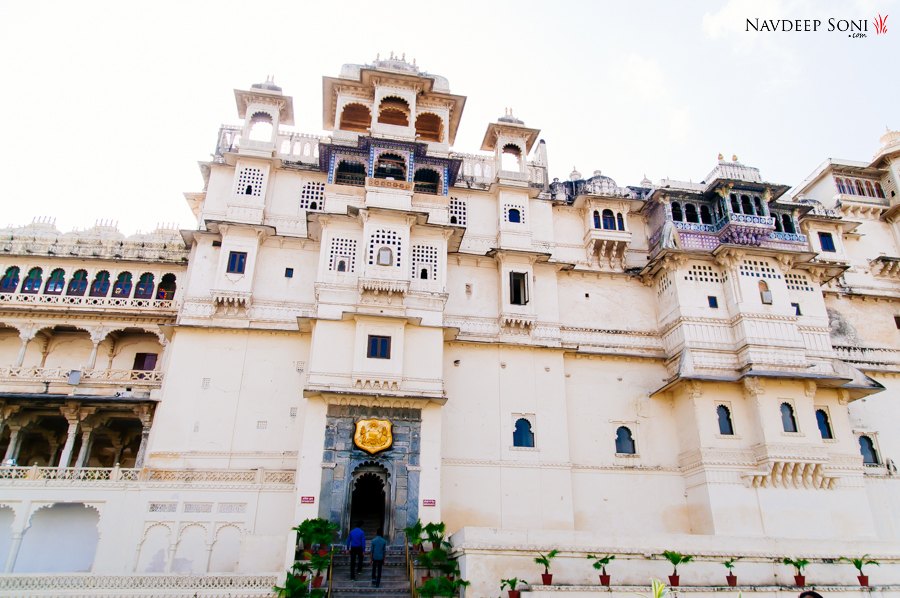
356 542
379 544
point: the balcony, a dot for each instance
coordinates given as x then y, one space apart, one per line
745 229
888 267
608 245
373 184
92 377
71 302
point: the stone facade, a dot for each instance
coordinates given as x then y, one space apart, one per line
705 367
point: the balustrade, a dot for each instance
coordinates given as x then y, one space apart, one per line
143 305
143 378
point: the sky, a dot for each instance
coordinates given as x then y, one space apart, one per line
109 106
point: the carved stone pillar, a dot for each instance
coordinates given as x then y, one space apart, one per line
12 450
74 415
142 450
86 439
25 337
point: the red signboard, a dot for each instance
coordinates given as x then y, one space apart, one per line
307 500
429 502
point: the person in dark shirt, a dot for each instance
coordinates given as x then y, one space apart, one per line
356 542
379 545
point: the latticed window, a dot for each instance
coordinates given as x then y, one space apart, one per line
350 173
427 180
424 262
144 288
458 211
56 282
250 182
32 282
312 197
382 239
342 256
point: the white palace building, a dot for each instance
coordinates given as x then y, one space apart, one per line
709 367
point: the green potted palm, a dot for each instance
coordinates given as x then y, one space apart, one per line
415 533
544 560
294 587
319 563
600 564
676 558
799 565
302 569
434 533
731 578
316 532
859 564
512 584
441 586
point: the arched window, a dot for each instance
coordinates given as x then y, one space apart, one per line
394 111
788 423
514 215
100 286
735 207
867 448
824 425
454 219
778 227
705 215
10 281
787 223
385 256
511 158
870 190
390 166
620 221
746 205
597 219
840 184
32 282
342 266
261 127
429 127
144 288
350 173
356 118
313 205
77 284
523 435
859 187
725 426
426 180
879 191
676 212
166 288
690 213
423 274
122 288
624 441
757 203
56 282
765 295
609 220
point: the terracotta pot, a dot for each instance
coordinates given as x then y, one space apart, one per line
863 580
317 581
303 577
800 581
604 580
547 578
513 593
425 578
673 581
731 579
323 551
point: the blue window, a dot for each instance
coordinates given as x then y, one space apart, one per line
379 347
523 435
788 423
824 425
78 284
55 283
514 215
725 426
32 283
713 301
144 288
624 441
10 281
288 272
796 307
237 262
827 242
867 448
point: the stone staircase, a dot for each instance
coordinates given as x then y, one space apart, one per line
394 580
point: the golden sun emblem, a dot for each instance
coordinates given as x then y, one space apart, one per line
373 435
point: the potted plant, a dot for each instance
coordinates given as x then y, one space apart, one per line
798 565
302 569
601 563
434 532
544 560
731 578
658 589
676 558
316 531
415 534
319 563
859 564
512 584
294 587
441 586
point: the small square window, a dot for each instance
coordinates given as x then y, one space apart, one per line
379 347
713 301
796 307
897 322
237 262
827 242
217 243
288 272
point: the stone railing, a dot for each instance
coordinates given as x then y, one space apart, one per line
789 237
373 183
698 227
872 358
89 584
383 285
86 302
290 146
748 219
143 378
76 475
478 170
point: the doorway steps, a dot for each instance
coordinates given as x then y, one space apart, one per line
394 578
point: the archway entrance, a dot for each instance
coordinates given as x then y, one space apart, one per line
370 500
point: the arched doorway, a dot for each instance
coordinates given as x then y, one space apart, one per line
370 499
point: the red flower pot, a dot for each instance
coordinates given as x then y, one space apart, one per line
731 579
323 551
800 581
673 581
863 580
303 577
513 593
425 578
547 578
317 581
604 580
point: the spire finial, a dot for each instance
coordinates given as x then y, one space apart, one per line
721 157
